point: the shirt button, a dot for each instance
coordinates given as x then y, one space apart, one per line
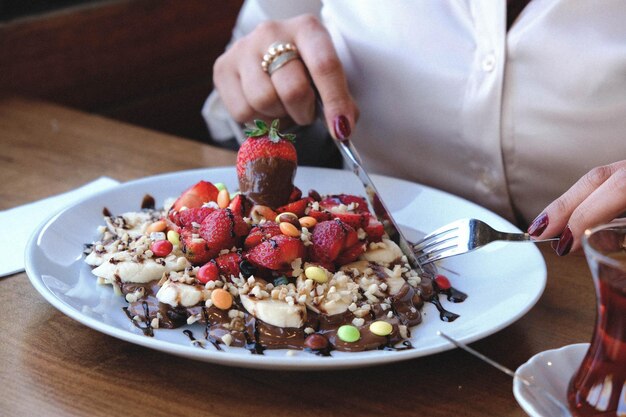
489 62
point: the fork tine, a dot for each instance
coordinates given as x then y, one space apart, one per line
433 237
446 252
437 241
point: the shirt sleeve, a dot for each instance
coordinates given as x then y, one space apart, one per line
219 122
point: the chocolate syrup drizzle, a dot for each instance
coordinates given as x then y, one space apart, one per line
257 336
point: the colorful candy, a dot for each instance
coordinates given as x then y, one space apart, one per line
158 226
173 237
381 328
348 333
316 273
307 221
221 299
161 248
442 282
289 229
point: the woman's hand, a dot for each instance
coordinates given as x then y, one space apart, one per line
598 197
248 92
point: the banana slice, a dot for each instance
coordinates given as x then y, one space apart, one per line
178 294
275 312
120 266
332 297
384 252
370 277
132 223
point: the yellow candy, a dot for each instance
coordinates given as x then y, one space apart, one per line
381 328
173 237
316 274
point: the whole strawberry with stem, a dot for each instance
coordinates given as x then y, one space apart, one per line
266 164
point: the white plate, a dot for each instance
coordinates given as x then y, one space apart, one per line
503 280
550 372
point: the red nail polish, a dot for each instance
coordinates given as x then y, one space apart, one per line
565 243
538 225
342 127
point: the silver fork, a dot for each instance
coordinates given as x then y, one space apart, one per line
462 236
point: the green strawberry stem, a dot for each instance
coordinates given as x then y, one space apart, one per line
260 129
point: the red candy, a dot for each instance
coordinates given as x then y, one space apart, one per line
208 272
442 282
161 248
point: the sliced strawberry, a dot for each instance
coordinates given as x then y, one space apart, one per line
277 253
329 240
356 220
350 254
297 207
374 229
240 205
359 203
208 272
228 264
320 215
260 233
185 218
352 237
196 195
195 248
296 194
223 229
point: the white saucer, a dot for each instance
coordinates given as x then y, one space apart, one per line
549 371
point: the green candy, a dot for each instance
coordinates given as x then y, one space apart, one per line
281 281
220 186
348 333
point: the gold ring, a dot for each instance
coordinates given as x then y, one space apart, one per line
277 55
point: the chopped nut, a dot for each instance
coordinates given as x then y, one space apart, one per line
227 339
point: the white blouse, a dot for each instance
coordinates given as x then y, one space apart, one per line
450 99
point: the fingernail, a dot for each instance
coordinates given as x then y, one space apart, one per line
538 225
565 242
342 127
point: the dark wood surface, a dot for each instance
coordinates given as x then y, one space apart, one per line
148 62
51 365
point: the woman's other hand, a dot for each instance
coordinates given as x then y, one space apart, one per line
248 92
598 197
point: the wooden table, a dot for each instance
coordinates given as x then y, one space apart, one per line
50 365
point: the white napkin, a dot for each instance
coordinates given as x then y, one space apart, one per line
19 223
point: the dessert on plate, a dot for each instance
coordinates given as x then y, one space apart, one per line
266 267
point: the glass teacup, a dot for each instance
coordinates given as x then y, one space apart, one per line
598 388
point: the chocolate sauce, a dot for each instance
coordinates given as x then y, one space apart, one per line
444 314
454 295
148 202
147 327
195 341
207 330
252 341
268 181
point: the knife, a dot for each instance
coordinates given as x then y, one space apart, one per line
352 158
